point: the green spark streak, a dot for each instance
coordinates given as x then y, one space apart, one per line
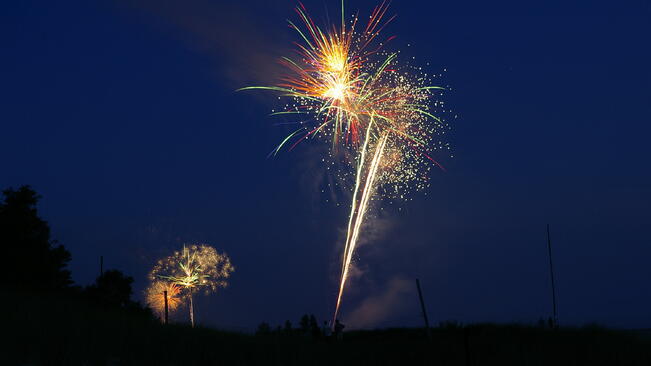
287 139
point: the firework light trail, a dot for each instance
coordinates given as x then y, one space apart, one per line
196 267
377 113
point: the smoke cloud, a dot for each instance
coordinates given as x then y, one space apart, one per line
380 307
246 54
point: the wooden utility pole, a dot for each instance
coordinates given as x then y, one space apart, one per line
551 272
101 265
422 307
166 313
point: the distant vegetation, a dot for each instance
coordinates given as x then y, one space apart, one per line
36 265
55 331
50 321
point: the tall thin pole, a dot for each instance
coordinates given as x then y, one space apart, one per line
166 311
551 272
101 265
191 309
422 307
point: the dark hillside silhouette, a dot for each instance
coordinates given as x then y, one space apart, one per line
33 260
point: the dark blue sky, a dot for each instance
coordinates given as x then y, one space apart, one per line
123 116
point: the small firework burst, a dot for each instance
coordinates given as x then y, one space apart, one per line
195 268
155 296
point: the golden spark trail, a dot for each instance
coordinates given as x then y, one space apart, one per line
359 217
354 202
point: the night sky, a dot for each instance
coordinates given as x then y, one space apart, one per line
124 117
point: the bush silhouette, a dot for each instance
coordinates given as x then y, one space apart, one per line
112 288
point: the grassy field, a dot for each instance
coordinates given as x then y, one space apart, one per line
48 330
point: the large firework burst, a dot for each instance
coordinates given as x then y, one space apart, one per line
363 100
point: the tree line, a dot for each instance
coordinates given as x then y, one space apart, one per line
37 263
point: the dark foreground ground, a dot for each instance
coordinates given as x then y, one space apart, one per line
46 330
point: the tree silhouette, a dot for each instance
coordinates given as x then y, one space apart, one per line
288 330
314 327
33 261
112 288
263 329
305 324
